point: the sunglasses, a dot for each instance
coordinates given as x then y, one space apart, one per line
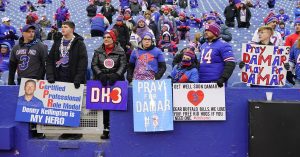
147 39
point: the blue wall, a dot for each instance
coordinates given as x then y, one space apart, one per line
189 139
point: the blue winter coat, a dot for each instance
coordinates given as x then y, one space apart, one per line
4 59
184 75
297 12
4 30
62 13
97 23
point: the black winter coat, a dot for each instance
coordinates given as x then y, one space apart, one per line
117 55
91 10
78 60
230 12
123 35
248 15
108 13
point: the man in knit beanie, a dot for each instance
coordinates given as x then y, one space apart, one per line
276 39
217 61
224 34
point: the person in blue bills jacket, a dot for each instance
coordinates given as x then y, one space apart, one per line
186 71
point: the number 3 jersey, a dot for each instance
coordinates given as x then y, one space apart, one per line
212 58
29 59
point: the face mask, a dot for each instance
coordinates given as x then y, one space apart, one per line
186 63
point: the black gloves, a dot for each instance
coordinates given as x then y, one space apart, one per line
287 66
76 85
290 77
113 78
228 69
130 72
103 78
51 81
241 64
221 82
161 70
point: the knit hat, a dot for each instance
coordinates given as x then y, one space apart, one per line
193 15
271 19
297 20
165 8
140 18
281 9
127 11
63 2
34 16
120 18
166 34
211 17
112 34
213 28
190 54
182 14
147 34
153 5
168 27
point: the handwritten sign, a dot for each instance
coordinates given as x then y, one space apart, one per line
198 102
264 65
152 105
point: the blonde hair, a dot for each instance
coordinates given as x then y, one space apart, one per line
266 28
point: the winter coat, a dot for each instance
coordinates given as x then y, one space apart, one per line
4 34
185 75
45 23
4 58
108 12
123 35
62 14
248 15
297 12
135 8
119 59
230 12
97 23
28 59
91 10
78 60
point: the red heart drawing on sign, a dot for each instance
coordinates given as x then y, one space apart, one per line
195 97
114 95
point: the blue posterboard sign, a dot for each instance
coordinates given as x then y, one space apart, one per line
53 104
152 105
106 98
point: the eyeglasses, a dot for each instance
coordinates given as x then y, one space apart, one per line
147 39
108 37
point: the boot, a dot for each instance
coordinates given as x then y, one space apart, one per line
105 134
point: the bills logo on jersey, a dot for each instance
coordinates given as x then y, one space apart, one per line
109 63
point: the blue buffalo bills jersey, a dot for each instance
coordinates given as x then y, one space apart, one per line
213 55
